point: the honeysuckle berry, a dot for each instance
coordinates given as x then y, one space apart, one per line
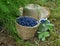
42 21
27 21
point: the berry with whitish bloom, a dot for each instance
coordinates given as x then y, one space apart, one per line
42 21
27 21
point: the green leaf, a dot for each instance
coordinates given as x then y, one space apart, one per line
40 35
46 34
43 39
50 26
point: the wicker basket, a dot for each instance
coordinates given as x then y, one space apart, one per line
32 10
35 11
25 32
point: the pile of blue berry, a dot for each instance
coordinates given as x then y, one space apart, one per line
27 21
43 21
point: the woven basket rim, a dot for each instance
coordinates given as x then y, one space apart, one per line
27 26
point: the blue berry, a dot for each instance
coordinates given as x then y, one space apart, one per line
27 21
42 21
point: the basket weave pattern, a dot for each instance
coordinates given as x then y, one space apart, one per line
25 32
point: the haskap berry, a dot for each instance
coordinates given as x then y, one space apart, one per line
43 21
27 21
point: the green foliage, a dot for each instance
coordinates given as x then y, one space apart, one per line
42 32
9 11
43 35
45 26
42 2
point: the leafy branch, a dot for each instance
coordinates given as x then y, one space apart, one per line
43 30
